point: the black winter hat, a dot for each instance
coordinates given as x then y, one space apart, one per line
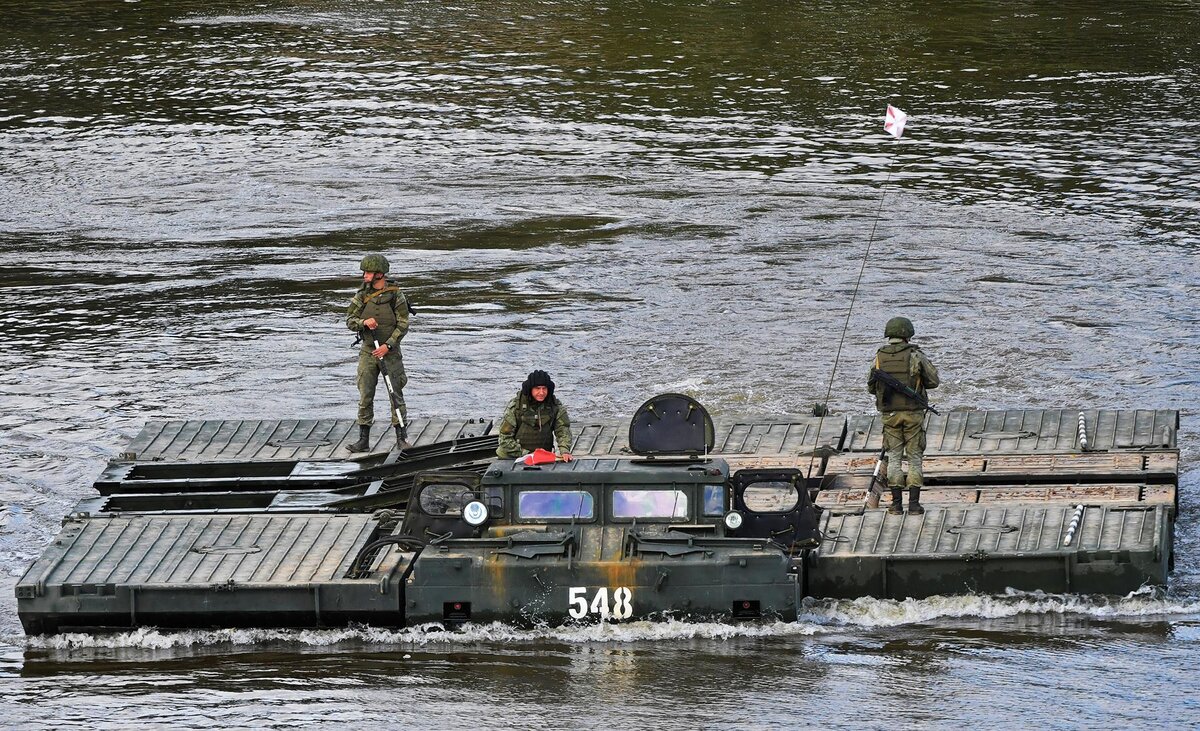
538 378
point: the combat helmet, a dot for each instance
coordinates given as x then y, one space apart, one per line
899 327
374 263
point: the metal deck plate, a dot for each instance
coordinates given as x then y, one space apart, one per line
160 551
245 440
854 469
1090 493
792 436
958 432
991 549
1002 529
1028 431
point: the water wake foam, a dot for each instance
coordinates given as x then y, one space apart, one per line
816 616
868 612
425 635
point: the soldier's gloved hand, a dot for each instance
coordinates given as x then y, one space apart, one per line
370 323
381 351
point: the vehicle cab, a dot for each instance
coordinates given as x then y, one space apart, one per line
597 538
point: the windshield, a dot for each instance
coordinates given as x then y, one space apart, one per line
555 504
650 504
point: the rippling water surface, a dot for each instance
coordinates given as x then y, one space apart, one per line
636 196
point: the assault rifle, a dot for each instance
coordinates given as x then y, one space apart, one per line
387 382
890 381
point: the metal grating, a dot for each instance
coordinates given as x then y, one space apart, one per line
601 438
784 437
1028 431
232 440
998 529
203 550
958 432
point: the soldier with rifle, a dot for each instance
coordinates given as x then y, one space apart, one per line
899 377
379 314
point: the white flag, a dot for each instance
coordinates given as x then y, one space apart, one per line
894 121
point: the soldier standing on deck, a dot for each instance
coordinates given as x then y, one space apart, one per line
903 416
535 419
381 310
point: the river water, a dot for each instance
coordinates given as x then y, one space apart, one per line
637 197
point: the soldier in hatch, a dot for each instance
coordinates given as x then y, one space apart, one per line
903 415
378 312
535 419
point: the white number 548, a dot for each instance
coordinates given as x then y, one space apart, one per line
622 603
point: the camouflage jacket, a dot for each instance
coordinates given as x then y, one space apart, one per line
527 425
388 306
909 365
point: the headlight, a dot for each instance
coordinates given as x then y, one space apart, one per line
733 520
475 513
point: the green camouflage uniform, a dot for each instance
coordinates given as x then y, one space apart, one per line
390 309
528 425
903 417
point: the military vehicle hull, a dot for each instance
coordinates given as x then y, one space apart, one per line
267 524
465 585
301 570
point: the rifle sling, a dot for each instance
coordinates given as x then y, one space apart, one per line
376 293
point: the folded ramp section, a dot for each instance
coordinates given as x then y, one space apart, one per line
120 571
1086 549
1053 455
1030 431
253 440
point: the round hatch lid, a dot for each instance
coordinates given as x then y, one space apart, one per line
671 424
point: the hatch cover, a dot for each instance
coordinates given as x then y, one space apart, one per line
671 424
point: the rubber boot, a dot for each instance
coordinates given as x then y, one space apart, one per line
364 439
914 501
897 506
402 438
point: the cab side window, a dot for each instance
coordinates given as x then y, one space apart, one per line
771 497
714 500
445 499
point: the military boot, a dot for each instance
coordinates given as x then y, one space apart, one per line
897 506
364 439
914 501
402 438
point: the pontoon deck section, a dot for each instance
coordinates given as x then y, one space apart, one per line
259 521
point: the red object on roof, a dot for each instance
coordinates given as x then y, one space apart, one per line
539 456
